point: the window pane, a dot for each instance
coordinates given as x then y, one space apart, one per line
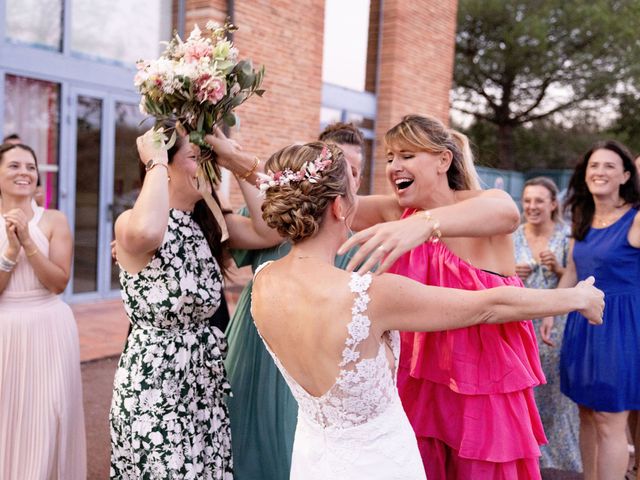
346 34
329 115
35 22
120 30
85 265
31 112
126 182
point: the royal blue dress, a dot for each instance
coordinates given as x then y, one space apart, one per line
600 365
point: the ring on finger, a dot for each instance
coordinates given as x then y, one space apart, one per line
382 248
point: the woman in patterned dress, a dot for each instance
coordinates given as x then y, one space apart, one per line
168 416
541 246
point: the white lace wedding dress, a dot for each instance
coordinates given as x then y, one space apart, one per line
358 428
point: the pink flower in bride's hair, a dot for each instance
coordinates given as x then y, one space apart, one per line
193 52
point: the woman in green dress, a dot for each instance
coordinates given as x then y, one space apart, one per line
263 411
168 417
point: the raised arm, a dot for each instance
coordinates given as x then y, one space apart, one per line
141 229
244 233
375 209
250 233
399 303
477 213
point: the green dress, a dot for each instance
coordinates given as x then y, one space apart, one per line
168 418
262 408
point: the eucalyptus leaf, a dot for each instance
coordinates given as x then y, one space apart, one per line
229 119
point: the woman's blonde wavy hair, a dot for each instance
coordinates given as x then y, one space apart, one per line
428 134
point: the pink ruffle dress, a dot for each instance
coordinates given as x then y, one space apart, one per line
469 392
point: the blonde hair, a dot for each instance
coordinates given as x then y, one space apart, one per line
429 134
296 209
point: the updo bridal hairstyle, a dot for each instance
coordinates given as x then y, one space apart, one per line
296 209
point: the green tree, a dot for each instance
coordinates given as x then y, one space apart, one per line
522 61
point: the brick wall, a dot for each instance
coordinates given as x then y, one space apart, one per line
286 36
418 41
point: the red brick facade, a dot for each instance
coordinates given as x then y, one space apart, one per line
416 66
286 36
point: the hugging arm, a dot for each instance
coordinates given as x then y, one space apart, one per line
399 303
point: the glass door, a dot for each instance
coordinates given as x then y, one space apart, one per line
104 179
88 143
126 166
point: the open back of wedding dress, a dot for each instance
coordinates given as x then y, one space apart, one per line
358 428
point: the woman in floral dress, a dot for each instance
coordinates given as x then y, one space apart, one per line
168 416
542 246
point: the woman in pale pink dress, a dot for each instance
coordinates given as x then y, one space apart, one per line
41 415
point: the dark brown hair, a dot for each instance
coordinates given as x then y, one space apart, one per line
342 133
579 199
202 215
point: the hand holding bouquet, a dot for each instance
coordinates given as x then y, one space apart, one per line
197 83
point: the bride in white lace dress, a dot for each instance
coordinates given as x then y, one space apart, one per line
334 334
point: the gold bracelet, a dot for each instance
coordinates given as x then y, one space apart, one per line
435 234
35 250
151 167
253 169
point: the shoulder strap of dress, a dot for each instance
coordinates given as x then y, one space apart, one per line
358 327
37 212
261 267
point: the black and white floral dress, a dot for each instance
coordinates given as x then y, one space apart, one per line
168 417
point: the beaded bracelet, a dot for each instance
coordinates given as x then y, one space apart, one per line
253 169
6 265
435 234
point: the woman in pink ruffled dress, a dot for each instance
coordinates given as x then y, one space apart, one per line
467 392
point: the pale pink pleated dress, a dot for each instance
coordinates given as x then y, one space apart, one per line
42 433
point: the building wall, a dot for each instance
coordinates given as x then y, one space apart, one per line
286 36
416 67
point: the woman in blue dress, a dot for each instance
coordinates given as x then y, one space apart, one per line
541 246
599 367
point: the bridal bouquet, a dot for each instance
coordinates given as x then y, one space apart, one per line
197 83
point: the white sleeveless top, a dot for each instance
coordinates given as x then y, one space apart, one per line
23 279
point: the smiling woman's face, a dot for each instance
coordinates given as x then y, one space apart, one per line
605 173
538 205
18 173
413 175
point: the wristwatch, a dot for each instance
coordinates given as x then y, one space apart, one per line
152 163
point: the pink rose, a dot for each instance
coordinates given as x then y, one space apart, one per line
210 89
195 51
